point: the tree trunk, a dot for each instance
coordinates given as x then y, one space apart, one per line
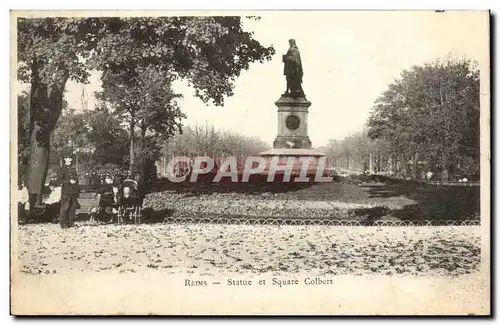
76 162
397 161
132 142
38 164
371 163
415 165
46 106
445 168
445 174
391 165
402 166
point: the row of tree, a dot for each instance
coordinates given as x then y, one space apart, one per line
358 152
100 140
207 140
427 120
138 58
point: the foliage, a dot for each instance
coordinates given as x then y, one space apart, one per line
209 52
146 101
108 138
56 45
140 57
96 136
144 163
432 111
70 134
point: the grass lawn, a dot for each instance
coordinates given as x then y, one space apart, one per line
345 199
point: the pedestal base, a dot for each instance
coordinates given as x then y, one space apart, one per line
292 142
284 155
293 153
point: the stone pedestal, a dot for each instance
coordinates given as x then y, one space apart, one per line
292 123
283 155
292 139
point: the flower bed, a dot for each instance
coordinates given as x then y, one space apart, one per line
230 204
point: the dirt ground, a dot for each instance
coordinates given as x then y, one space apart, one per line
249 248
143 269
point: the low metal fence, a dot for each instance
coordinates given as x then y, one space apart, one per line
317 222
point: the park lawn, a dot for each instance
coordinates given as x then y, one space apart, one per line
335 201
343 199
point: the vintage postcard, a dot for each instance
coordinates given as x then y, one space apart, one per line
250 163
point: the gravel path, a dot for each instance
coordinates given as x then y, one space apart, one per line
253 249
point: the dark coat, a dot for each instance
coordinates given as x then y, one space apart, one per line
293 64
64 175
108 200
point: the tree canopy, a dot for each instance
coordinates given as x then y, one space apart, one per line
208 52
432 112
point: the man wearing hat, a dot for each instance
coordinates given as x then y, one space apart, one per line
68 180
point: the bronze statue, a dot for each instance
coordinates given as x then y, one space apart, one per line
293 70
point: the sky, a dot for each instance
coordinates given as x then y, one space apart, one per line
349 58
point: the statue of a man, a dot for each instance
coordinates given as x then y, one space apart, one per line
293 70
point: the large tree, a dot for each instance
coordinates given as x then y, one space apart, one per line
432 113
50 51
147 105
209 52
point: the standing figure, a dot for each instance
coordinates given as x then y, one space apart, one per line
53 202
68 180
293 70
23 205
